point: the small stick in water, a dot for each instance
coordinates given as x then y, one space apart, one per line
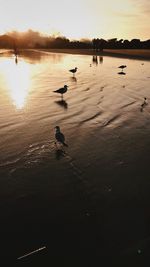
33 252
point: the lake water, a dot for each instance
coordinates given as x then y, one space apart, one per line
89 202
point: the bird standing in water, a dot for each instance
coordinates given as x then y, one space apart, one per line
62 90
73 70
145 102
122 67
60 138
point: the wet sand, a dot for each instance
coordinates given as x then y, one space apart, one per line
123 53
89 206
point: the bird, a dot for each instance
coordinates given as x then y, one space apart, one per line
122 67
62 90
60 138
73 70
145 102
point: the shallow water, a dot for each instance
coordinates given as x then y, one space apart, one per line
91 199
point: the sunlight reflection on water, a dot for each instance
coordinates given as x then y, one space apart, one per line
17 79
97 96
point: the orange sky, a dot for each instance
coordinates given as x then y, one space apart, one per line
77 19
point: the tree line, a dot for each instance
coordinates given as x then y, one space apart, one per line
32 39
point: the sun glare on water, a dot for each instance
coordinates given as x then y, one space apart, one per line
17 80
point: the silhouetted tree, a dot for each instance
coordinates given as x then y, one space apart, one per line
126 44
6 41
34 39
112 43
135 43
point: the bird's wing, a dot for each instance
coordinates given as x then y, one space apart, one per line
59 90
60 137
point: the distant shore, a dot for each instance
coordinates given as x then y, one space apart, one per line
141 54
123 53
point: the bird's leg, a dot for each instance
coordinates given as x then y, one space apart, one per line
60 148
56 145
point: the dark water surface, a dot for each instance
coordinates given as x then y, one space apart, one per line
89 205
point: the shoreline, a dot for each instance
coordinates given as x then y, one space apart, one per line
141 54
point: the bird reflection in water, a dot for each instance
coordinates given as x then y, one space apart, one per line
121 73
95 60
73 79
62 103
16 60
100 59
60 153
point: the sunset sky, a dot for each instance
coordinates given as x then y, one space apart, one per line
77 19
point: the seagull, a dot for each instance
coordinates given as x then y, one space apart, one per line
122 67
62 90
73 70
145 102
60 138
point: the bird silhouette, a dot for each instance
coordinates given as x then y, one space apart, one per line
16 59
62 90
73 70
122 67
145 102
60 138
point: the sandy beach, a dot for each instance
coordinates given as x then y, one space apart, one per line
122 53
